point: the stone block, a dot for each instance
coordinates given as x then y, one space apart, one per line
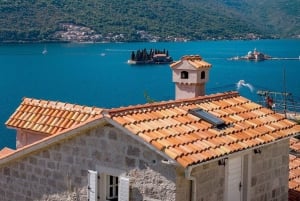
57 156
112 134
46 154
133 151
51 164
28 168
41 163
6 171
69 159
37 170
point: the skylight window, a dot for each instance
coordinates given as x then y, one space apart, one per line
210 118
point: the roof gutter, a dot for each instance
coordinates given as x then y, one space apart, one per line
188 176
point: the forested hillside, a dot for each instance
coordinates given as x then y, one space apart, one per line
137 20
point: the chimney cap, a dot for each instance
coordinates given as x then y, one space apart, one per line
194 60
191 57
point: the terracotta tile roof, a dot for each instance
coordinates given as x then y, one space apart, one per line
294 178
194 60
189 140
295 145
5 151
50 117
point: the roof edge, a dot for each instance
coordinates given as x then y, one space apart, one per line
171 103
48 141
139 139
189 167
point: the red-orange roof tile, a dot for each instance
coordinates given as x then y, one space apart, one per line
295 145
294 178
5 151
195 60
50 117
189 140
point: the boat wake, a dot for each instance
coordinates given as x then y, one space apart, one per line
118 50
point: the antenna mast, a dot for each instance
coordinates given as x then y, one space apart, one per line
284 95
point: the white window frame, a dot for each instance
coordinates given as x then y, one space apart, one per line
123 183
112 183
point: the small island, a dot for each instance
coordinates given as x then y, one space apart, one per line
253 56
150 57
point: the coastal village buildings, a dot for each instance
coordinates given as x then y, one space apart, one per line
197 147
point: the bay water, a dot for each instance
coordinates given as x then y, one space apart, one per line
98 74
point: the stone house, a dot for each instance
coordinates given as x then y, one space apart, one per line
197 147
294 175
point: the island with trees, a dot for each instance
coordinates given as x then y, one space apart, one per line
153 56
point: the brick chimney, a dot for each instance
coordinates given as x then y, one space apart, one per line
190 75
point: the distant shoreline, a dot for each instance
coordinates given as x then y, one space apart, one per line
99 42
32 42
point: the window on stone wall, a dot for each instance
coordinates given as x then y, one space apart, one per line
105 187
184 75
203 75
112 188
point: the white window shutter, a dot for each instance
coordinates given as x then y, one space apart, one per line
123 193
92 185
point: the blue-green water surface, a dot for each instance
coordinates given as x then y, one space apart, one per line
98 75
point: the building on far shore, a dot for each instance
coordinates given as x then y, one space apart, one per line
196 147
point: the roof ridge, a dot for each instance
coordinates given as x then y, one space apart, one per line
61 105
171 103
192 57
194 60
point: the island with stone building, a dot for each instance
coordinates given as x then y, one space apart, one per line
153 56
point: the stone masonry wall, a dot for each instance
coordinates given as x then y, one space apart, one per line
59 172
210 182
183 187
268 176
270 169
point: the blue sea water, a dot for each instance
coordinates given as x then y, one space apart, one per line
98 75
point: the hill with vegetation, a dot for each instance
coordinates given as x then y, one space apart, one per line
155 20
